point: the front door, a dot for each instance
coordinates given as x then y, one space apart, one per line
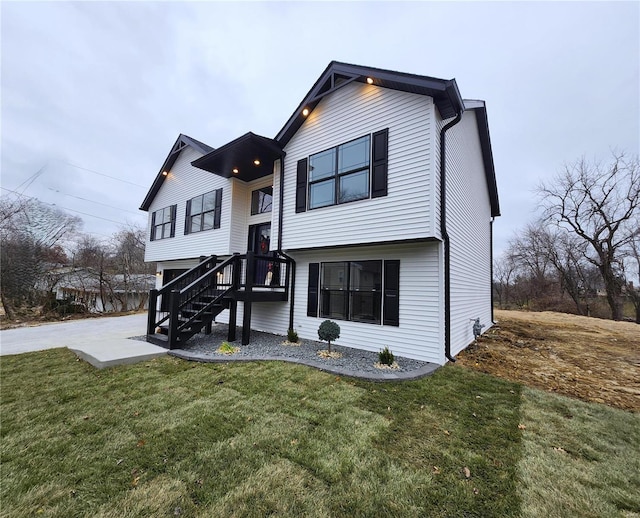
259 240
167 277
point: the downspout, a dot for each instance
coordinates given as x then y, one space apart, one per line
491 264
292 285
445 237
281 202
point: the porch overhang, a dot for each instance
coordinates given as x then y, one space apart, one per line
247 158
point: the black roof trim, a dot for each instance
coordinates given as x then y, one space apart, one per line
181 142
479 107
445 93
240 154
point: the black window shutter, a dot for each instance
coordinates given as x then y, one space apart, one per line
152 237
301 186
312 294
391 293
187 218
173 220
217 211
379 165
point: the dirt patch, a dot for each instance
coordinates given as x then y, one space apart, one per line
588 358
33 319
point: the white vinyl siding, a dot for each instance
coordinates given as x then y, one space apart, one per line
183 183
468 225
419 334
241 213
349 113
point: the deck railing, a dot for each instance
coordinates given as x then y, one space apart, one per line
181 304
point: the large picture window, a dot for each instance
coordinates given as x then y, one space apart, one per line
163 223
360 291
203 212
340 174
351 290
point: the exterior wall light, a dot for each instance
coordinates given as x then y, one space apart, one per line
305 112
370 80
256 162
164 173
235 170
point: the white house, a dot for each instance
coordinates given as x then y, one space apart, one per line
101 293
373 206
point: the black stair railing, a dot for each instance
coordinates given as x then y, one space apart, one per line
194 304
191 301
159 315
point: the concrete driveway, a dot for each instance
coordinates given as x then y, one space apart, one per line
100 341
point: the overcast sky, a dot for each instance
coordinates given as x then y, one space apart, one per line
95 94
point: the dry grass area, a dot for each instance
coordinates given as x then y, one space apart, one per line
33 317
587 358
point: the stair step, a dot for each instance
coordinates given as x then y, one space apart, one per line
158 339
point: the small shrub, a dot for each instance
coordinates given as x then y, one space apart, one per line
292 336
227 348
386 356
329 331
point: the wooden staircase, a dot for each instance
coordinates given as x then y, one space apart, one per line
191 302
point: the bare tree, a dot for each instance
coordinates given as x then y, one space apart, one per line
531 264
633 286
94 258
567 253
598 203
32 235
504 270
128 258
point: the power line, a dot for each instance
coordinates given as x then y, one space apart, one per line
102 174
32 178
61 207
93 201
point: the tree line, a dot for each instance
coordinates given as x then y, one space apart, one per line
582 255
40 245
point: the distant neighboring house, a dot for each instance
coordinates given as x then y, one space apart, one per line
372 206
115 292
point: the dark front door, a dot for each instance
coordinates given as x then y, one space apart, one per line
259 241
167 277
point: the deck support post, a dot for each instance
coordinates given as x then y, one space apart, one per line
233 312
151 314
248 289
236 279
174 308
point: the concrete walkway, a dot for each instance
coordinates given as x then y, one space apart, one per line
103 342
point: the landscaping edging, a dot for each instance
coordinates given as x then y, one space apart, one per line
356 363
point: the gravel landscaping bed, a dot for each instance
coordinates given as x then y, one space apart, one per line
266 346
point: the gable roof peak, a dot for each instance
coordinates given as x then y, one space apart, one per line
338 74
181 142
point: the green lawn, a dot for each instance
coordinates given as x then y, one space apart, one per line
171 438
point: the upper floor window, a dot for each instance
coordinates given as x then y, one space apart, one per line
261 200
340 174
163 223
203 212
352 171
